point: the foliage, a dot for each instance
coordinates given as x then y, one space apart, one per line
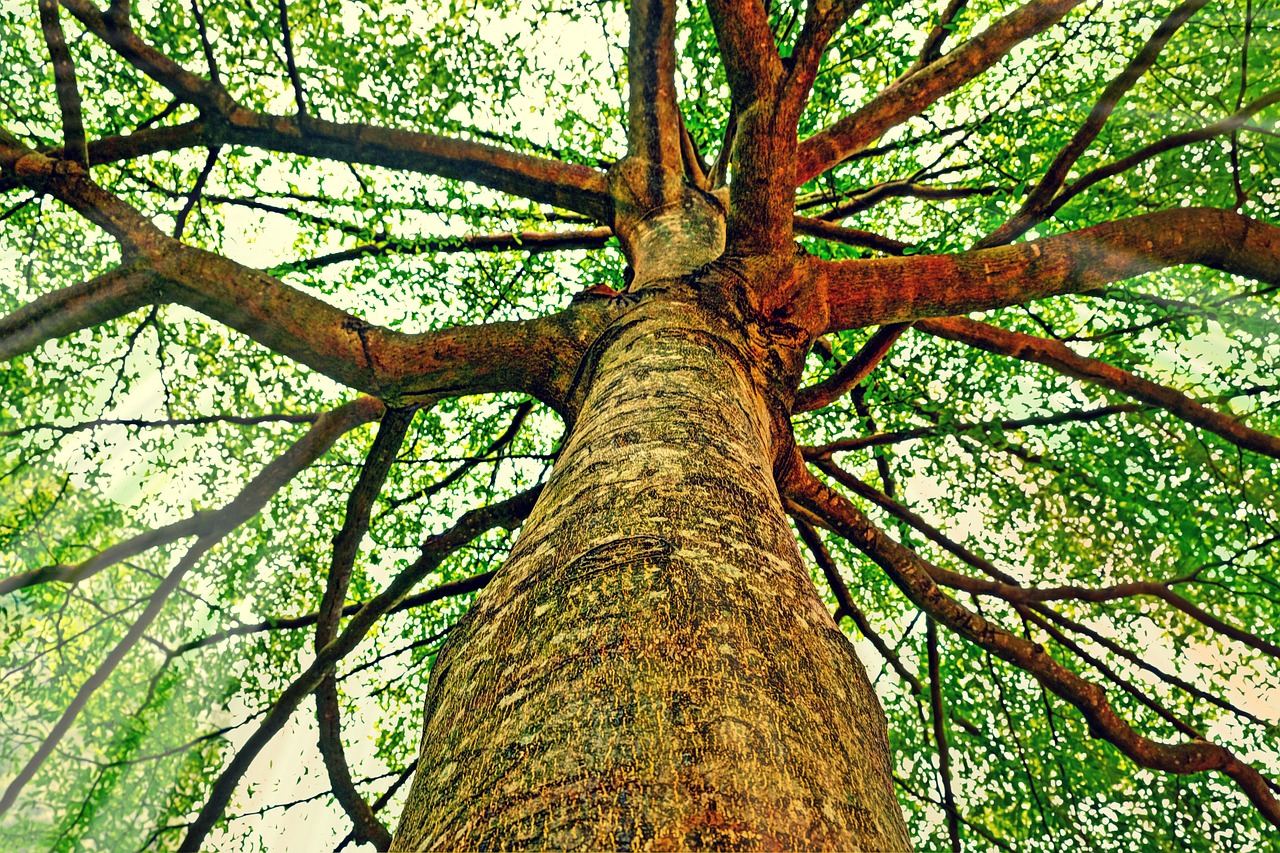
143 420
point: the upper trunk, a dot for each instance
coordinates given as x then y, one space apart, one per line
652 667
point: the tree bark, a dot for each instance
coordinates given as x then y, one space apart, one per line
652 667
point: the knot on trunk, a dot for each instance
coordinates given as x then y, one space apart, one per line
667 228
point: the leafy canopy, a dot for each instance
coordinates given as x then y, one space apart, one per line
144 429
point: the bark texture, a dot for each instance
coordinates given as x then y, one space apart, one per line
652 668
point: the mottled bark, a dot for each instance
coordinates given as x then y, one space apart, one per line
652 668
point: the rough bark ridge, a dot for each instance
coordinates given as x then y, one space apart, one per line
652 667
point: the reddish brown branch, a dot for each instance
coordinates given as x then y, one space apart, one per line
914 576
910 96
821 20
895 290
654 129
1061 358
69 182
531 356
852 372
747 49
695 168
763 150
80 306
844 599
565 185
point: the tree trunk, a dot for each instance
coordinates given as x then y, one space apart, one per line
652 668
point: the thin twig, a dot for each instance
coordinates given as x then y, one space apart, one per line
940 733
287 37
193 198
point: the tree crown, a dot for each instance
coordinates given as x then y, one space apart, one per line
1048 526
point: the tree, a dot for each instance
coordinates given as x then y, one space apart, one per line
739 282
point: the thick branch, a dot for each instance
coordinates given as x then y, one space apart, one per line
912 575
70 183
896 290
653 117
912 95
821 20
81 306
747 49
536 356
763 153
529 356
1061 358
565 185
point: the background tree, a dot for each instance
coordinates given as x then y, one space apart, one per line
1049 531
